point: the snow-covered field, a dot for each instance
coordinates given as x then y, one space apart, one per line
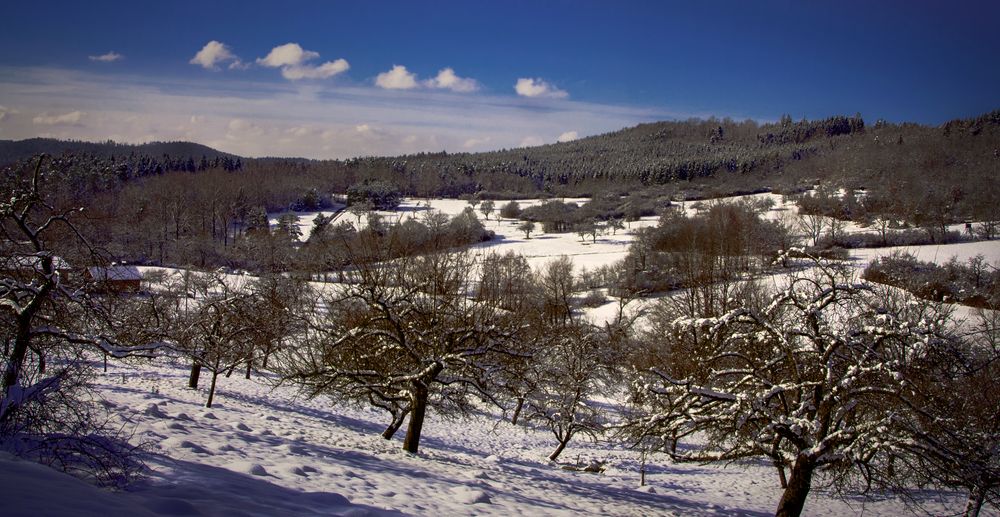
265 451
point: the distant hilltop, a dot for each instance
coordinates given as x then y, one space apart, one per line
15 150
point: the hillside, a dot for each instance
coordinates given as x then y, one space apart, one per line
14 150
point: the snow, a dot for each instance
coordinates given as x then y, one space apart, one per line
262 450
937 253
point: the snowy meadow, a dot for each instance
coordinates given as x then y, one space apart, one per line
263 448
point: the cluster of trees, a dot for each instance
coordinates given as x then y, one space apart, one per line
339 246
374 194
974 282
611 211
787 131
722 242
224 322
451 330
891 207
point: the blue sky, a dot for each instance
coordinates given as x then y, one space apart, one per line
338 79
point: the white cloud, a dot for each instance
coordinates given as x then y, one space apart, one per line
533 87
214 53
289 54
71 118
343 122
107 58
293 60
4 110
396 79
568 136
328 69
446 79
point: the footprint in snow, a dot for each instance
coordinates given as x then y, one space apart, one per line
243 427
195 448
154 411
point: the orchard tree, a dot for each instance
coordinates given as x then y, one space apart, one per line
217 331
570 369
527 227
511 210
953 436
810 379
486 207
406 336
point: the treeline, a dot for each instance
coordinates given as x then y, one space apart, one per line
975 282
12 151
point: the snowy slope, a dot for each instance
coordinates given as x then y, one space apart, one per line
263 451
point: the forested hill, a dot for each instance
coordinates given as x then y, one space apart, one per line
14 150
711 156
723 154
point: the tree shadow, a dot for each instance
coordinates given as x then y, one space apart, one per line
198 489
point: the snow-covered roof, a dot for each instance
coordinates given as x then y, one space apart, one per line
114 273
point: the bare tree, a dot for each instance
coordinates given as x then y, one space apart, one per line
812 225
405 337
557 285
217 332
572 368
45 311
808 379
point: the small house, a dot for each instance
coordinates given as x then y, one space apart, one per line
117 278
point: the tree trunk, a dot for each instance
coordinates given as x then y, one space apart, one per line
249 367
517 410
41 361
397 422
195 374
975 502
419 408
562 445
211 389
793 499
13 372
